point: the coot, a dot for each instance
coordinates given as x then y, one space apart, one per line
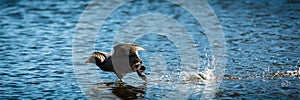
125 59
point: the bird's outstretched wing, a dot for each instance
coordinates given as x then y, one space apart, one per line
124 57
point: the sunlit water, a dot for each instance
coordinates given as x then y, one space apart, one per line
262 41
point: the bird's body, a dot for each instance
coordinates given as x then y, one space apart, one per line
124 60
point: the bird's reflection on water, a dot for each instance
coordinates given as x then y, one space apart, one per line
113 90
128 92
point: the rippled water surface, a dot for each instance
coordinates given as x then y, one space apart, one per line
262 43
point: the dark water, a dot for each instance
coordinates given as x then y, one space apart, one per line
262 41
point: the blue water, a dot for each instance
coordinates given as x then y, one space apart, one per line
262 37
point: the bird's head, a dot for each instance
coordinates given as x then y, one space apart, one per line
96 56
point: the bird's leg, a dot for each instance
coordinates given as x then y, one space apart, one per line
141 75
137 68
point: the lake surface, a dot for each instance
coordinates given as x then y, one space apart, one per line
37 61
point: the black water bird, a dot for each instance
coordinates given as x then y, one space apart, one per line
125 59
